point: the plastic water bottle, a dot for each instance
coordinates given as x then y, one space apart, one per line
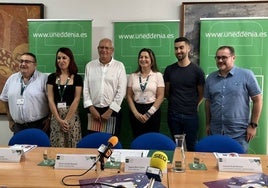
179 163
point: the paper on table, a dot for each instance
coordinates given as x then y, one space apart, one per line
219 155
24 147
139 179
254 180
125 184
121 154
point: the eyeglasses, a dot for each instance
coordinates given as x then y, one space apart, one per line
223 58
104 48
25 61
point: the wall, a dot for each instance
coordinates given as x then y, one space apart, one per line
103 13
5 133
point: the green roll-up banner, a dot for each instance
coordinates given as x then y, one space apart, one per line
46 36
249 37
130 37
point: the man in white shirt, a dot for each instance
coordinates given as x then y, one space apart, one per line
24 96
104 89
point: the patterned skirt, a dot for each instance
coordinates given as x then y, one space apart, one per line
69 139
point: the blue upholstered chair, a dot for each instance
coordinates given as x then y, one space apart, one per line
31 136
153 141
94 140
219 143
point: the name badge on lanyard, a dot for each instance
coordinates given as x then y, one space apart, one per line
143 97
20 101
62 104
22 89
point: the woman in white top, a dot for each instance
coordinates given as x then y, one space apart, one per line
145 93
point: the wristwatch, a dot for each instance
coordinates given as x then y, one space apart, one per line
253 125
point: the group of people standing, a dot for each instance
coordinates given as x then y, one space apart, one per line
50 102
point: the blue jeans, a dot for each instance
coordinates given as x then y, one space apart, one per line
241 139
184 124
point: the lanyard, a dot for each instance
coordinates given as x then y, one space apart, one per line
143 86
22 86
61 92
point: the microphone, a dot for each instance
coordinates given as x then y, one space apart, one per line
105 151
158 163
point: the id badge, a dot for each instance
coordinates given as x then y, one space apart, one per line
61 105
20 101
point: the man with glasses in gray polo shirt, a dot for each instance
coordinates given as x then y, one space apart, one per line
24 96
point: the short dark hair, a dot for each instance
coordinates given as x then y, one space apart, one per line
230 48
152 57
182 39
72 65
30 54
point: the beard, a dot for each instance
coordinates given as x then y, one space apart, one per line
181 57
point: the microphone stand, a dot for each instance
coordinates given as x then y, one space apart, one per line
101 162
105 151
151 183
105 154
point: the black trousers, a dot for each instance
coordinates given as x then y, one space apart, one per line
152 125
39 124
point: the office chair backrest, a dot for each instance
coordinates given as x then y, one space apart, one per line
31 136
153 141
219 143
94 140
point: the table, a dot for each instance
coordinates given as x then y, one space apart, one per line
196 178
28 174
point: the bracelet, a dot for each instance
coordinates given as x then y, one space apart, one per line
152 110
148 115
